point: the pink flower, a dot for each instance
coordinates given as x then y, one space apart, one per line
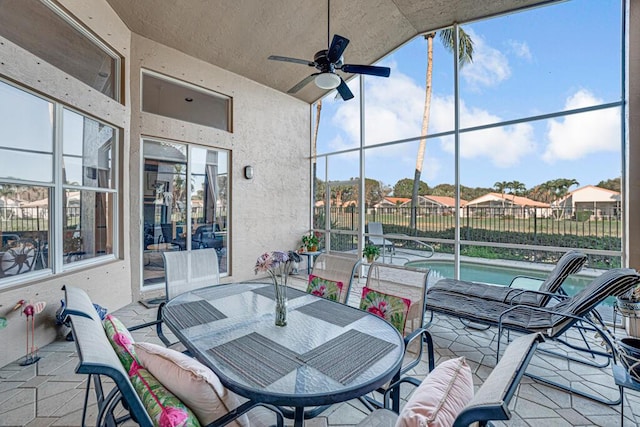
319 291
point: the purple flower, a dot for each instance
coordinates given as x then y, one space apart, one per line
276 263
280 256
264 262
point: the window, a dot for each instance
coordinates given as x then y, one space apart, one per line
183 101
53 217
185 193
62 42
524 143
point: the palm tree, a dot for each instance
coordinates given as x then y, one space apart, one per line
501 187
560 188
517 188
465 55
314 147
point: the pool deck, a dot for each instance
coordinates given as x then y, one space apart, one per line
49 393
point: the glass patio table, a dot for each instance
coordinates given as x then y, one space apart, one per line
327 353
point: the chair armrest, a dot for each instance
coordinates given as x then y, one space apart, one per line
491 401
387 394
528 278
518 292
418 333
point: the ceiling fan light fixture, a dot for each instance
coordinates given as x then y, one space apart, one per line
327 80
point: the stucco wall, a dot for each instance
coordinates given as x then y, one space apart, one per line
270 132
108 284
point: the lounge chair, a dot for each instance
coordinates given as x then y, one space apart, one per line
376 237
553 322
570 263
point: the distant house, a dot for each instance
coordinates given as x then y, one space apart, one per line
389 204
438 204
600 202
497 204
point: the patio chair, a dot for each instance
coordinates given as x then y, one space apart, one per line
376 237
553 322
489 403
397 293
337 267
98 360
204 237
184 271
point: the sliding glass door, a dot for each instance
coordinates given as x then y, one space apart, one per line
184 195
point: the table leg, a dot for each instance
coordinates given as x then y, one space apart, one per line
298 417
395 395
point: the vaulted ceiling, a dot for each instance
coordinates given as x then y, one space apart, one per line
239 35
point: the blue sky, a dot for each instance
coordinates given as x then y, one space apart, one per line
535 62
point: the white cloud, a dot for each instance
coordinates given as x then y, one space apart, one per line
394 111
504 146
394 108
520 49
575 136
489 66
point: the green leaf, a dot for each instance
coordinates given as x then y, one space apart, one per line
3 322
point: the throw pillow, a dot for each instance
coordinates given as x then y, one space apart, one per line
391 308
324 288
164 409
192 382
120 339
440 397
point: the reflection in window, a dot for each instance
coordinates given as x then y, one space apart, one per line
88 225
185 199
29 209
60 41
87 146
26 135
24 229
183 101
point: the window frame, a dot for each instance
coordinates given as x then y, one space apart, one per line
56 188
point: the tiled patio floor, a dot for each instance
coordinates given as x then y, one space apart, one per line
49 393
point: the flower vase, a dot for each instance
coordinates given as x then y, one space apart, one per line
280 285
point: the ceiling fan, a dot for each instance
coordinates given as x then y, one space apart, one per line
327 61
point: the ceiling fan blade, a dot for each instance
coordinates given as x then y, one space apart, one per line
302 83
294 60
338 45
367 69
344 90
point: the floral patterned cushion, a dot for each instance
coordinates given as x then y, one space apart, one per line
164 409
324 288
391 308
120 339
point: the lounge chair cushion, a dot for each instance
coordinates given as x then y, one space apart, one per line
120 339
164 409
440 397
192 382
391 308
325 288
